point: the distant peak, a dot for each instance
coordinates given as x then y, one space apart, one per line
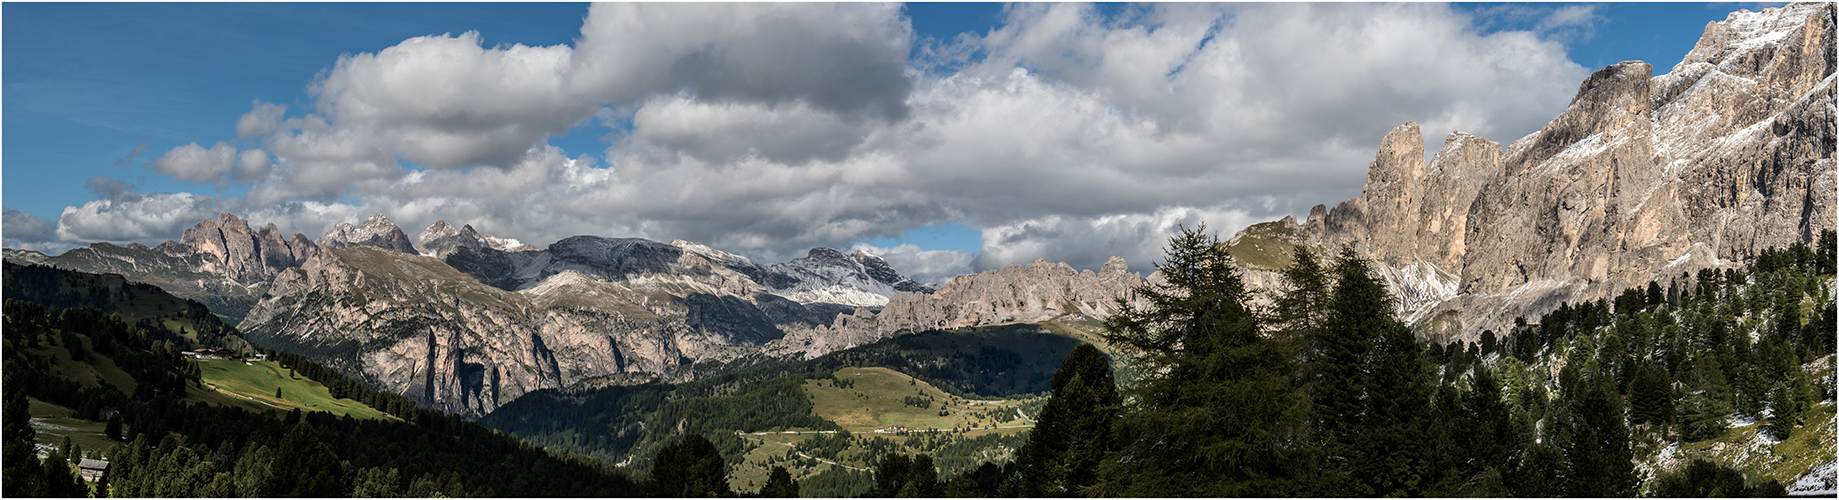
824 253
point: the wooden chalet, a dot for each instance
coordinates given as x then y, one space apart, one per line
92 470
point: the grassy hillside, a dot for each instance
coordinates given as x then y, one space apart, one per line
865 399
253 384
230 383
958 433
1265 246
54 423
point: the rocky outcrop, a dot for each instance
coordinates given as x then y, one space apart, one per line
828 276
413 325
220 262
441 240
586 310
239 253
376 231
1036 292
1014 294
1641 178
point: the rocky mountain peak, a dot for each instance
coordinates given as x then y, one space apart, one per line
441 240
826 255
1114 266
1613 98
1640 178
376 230
1399 163
884 272
1395 184
239 253
828 275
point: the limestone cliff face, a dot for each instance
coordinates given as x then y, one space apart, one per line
219 262
1641 178
484 326
1036 292
236 252
413 325
829 276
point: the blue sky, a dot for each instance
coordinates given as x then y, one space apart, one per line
95 93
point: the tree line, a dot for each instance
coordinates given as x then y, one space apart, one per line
1327 393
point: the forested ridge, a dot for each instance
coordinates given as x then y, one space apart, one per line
613 423
167 445
1327 394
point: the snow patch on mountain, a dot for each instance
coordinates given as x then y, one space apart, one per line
441 240
1418 286
1822 481
839 294
559 282
828 275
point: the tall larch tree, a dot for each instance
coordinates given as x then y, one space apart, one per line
1214 413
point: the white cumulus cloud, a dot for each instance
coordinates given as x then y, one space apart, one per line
194 163
1068 133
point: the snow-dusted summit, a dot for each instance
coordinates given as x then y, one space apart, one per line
829 276
441 240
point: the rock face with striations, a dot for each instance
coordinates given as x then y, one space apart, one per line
828 276
219 262
441 240
413 325
484 326
376 230
238 253
1037 292
1641 178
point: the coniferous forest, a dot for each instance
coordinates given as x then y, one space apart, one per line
171 446
1319 392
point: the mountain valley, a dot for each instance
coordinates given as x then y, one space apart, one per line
1661 252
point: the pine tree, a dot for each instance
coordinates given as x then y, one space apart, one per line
1826 255
1358 312
1301 311
922 479
20 476
779 484
113 430
690 467
1491 435
1599 452
1070 438
304 467
891 475
1390 451
1214 413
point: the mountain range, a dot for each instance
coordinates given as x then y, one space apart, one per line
1642 178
